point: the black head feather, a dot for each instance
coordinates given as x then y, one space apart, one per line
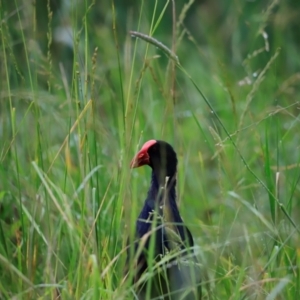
163 160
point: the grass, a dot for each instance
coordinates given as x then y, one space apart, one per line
72 119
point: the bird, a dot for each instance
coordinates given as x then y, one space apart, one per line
163 249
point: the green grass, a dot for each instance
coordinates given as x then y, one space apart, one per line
70 122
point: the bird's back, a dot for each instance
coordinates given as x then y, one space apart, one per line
175 271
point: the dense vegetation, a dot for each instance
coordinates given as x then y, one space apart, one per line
79 95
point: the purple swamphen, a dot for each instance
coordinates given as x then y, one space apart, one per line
162 255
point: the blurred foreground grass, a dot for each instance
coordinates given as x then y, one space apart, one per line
78 94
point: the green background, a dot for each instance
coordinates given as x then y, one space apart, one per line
78 97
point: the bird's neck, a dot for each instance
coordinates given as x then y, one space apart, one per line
163 201
160 186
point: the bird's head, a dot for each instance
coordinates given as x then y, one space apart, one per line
160 156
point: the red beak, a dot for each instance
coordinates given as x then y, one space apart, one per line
142 158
